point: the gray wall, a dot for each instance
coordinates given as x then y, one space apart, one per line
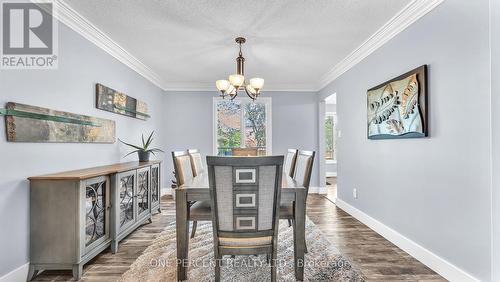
189 121
495 105
69 88
435 191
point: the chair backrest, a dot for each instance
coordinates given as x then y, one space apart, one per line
303 168
196 161
245 194
182 166
290 159
244 152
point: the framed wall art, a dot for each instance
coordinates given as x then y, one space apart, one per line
110 100
398 108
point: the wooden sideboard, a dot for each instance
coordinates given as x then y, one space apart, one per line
75 215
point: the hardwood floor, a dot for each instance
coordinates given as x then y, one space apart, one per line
376 257
331 188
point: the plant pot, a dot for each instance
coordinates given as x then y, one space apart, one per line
144 156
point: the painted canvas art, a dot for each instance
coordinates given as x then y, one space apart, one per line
398 108
110 100
26 123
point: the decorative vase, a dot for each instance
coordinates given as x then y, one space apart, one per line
144 156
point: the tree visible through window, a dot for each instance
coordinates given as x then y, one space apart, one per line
330 132
241 124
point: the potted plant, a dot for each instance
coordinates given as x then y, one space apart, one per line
143 151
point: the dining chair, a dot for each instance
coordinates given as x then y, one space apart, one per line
302 175
196 161
245 195
290 159
198 211
289 167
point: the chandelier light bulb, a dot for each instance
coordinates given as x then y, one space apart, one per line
251 89
236 80
257 83
222 84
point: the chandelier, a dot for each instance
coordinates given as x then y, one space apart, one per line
237 82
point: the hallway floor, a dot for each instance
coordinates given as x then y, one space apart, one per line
331 188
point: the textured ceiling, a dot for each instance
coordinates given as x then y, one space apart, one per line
190 43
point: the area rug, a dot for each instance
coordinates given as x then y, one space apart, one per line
323 262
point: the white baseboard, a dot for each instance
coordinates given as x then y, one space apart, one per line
17 275
433 261
331 174
166 191
317 190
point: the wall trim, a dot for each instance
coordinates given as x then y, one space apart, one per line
16 275
317 190
205 86
166 191
433 261
404 18
74 20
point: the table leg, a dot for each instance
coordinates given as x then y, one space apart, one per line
299 234
182 229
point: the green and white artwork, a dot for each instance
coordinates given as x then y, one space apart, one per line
397 108
25 123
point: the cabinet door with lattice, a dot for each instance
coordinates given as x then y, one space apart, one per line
143 192
155 187
126 185
95 207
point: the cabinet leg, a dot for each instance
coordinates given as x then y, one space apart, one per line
150 220
32 272
159 210
77 271
114 246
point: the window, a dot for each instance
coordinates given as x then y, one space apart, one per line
330 133
242 127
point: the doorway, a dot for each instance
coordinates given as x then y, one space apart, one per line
328 145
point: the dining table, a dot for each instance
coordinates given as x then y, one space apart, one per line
197 189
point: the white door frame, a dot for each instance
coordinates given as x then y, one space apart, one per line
321 141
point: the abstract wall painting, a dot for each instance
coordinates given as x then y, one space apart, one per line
110 100
25 123
398 108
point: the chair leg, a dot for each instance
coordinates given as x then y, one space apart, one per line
289 223
305 242
274 272
193 230
218 261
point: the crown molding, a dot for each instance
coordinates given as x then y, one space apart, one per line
404 18
202 86
74 20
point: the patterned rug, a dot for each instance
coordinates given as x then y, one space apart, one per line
322 263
